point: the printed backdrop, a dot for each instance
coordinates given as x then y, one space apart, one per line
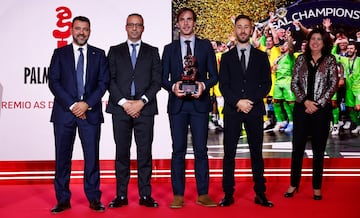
30 30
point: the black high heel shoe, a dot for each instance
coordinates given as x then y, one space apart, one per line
291 194
317 196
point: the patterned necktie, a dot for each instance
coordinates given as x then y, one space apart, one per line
133 61
242 60
80 74
188 48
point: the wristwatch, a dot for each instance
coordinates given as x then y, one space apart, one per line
143 100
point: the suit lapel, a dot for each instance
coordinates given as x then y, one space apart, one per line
236 60
251 58
125 56
141 54
179 56
71 60
90 60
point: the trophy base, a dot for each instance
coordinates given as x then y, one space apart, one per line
189 89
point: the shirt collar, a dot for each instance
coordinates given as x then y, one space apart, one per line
247 47
76 47
192 39
130 42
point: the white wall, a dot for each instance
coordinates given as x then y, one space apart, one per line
27 42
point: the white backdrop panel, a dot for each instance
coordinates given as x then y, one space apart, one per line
27 43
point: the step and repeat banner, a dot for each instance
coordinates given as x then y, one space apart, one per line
30 31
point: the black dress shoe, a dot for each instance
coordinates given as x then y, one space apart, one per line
148 201
61 207
97 206
118 202
226 201
263 201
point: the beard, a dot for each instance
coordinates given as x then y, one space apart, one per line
243 39
80 39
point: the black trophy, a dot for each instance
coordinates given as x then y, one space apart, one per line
188 76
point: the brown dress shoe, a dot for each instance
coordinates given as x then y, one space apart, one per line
178 202
206 201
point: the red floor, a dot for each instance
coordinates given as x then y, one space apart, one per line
34 198
340 199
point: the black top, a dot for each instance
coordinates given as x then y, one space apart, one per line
311 77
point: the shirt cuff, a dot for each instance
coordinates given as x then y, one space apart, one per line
122 102
72 106
204 86
144 97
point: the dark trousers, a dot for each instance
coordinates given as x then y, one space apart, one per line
64 143
123 127
316 126
254 130
179 124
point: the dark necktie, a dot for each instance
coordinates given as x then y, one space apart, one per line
242 60
188 48
133 61
80 74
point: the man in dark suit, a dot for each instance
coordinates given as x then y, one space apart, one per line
186 109
78 78
135 78
244 82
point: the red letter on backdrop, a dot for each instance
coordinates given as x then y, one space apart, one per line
63 15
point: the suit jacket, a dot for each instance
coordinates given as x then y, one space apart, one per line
173 67
254 84
62 83
326 80
147 77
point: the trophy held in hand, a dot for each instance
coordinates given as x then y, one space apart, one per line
188 76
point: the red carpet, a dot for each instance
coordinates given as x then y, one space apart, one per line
340 199
26 190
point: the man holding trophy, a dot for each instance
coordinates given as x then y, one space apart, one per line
189 71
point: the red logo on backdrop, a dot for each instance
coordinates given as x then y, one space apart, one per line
64 14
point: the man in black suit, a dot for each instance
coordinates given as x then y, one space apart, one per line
135 78
190 108
78 78
244 82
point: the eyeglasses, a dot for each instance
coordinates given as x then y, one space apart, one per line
132 25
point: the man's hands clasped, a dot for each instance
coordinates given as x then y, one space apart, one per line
133 107
79 109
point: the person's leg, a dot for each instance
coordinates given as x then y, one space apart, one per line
199 133
143 133
300 134
64 143
320 131
232 129
255 135
179 129
90 136
122 128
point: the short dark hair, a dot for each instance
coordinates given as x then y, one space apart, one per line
242 16
136 14
182 10
81 18
326 50
354 43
